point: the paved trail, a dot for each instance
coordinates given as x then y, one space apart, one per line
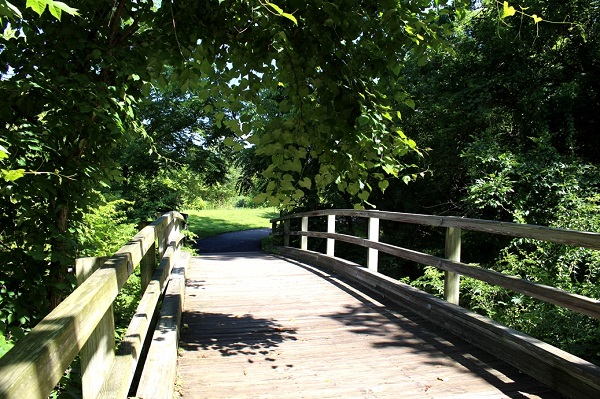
239 241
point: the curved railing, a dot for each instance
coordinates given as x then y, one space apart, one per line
83 323
569 375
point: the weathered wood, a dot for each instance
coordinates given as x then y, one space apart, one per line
160 368
85 267
37 362
148 262
304 239
373 254
578 303
124 365
98 352
286 233
568 374
330 229
263 327
562 236
451 279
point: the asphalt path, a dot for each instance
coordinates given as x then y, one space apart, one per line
239 241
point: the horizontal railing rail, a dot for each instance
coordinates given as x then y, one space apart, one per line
83 323
579 377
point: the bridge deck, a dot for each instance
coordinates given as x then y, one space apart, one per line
262 327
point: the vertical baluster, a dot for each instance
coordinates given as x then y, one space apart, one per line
373 254
148 262
304 239
451 279
331 229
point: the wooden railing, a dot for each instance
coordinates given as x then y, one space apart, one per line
567 374
83 324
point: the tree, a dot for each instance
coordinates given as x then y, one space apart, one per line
70 95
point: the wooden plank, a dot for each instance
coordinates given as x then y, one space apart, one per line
331 229
85 267
99 351
373 254
451 279
304 239
37 362
263 327
575 302
160 368
568 374
125 362
562 236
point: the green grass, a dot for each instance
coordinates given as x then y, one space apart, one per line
212 222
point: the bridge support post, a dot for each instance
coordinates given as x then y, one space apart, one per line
148 262
331 229
451 279
373 254
98 352
304 239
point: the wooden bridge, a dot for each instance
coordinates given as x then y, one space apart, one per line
298 323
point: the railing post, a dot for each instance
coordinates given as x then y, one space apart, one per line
304 239
148 262
98 352
331 229
451 279
286 233
373 254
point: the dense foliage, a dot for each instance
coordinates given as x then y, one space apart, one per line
118 110
511 120
87 94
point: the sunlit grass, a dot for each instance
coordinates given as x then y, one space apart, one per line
212 222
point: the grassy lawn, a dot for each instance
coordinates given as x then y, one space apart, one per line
212 222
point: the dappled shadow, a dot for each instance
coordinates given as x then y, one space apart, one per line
389 325
232 335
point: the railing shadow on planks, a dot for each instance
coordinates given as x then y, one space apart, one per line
83 324
569 375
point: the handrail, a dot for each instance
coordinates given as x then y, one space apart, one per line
36 363
584 239
524 352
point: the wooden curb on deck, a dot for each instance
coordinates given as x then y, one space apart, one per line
160 368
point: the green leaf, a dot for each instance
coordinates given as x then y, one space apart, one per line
290 17
280 13
306 183
260 198
383 184
298 194
63 7
275 7
12 175
36 5
55 11
364 195
363 120
508 11
13 12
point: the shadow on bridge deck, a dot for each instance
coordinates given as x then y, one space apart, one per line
263 327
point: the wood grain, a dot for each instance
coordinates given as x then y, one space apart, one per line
261 327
